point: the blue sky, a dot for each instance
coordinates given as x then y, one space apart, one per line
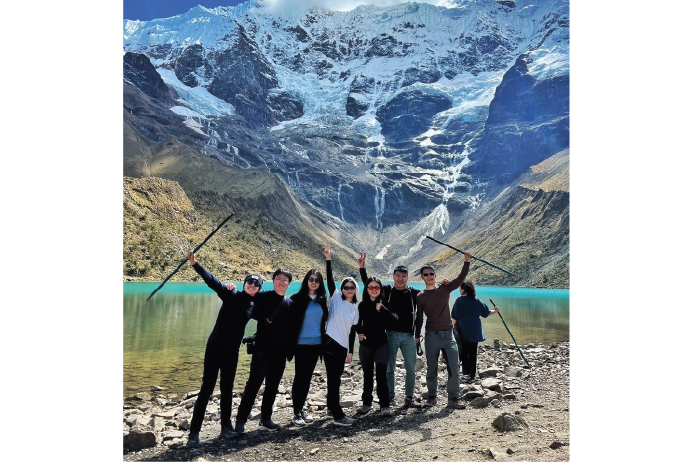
151 9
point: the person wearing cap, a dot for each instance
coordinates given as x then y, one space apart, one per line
401 300
221 353
340 334
273 311
434 302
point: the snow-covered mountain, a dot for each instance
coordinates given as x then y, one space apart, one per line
387 118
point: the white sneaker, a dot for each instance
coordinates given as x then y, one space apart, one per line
298 421
306 417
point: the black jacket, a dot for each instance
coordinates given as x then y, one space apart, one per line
400 302
373 323
273 313
299 307
233 315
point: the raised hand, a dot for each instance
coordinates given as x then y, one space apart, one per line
467 256
231 286
377 306
191 257
444 281
328 253
362 260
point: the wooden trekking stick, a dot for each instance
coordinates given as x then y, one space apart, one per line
511 334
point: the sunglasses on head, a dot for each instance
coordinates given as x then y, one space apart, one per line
428 274
313 280
374 288
401 269
348 288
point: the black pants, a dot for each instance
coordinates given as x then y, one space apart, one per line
306 357
369 357
216 359
267 367
335 356
468 358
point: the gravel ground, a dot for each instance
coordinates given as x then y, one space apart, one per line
539 395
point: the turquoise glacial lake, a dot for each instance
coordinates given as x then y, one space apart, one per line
164 340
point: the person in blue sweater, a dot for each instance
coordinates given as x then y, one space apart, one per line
221 353
465 316
308 328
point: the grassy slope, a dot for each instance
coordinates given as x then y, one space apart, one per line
161 222
525 229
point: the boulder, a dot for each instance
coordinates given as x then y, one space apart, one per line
509 396
156 388
479 402
495 403
157 423
349 400
513 371
490 372
491 384
144 396
140 437
184 424
556 445
161 401
507 422
491 395
281 389
173 435
190 394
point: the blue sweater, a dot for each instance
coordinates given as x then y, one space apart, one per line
466 312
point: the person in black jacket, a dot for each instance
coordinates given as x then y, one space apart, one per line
374 320
310 316
221 353
273 312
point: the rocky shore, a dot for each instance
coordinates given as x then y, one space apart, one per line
513 413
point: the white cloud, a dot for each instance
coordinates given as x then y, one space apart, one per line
345 5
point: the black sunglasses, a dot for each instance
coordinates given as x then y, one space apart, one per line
253 282
313 280
348 288
428 274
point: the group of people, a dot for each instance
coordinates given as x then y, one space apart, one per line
314 323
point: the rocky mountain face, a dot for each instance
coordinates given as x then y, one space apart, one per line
387 122
524 229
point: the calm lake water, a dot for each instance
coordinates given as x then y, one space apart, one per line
164 340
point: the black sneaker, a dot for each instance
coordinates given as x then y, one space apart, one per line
193 440
240 427
393 402
227 432
409 402
306 417
456 403
430 402
268 426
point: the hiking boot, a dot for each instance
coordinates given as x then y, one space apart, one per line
329 414
456 403
307 417
409 402
363 410
344 422
393 402
269 426
385 412
227 432
193 440
298 420
430 402
240 427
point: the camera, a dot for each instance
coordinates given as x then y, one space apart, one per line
249 342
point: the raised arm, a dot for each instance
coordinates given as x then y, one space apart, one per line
362 267
212 282
331 287
457 282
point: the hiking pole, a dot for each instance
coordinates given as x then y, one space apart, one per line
511 334
185 259
475 258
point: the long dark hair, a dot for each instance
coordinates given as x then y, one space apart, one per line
469 289
344 281
304 291
366 295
